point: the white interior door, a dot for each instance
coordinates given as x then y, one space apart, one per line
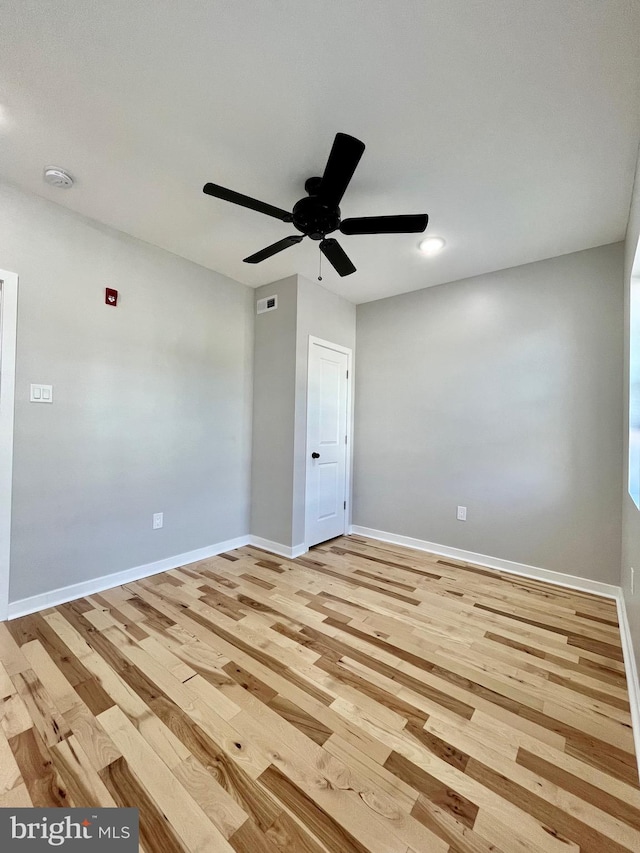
327 435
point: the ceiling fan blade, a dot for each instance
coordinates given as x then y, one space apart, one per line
246 201
337 257
343 159
273 249
412 224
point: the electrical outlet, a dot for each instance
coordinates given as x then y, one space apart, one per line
462 513
158 520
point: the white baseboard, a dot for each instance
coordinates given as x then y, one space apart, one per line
631 669
291 552
558 578
23 606
63 594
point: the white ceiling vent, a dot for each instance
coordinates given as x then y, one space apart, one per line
269 303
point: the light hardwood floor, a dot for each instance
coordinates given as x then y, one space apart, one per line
364 697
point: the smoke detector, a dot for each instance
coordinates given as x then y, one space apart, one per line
57 177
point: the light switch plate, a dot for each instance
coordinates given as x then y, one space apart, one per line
41 394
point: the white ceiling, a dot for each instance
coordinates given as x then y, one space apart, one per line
513 123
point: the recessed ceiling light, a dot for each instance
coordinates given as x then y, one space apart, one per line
57 177
432 245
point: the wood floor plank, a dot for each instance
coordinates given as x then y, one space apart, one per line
249 837
365 698
46 717
10 776
190 823
433 789
397 790
99 748
559 822
6 685
216 803
604 800
227 770
334 788
16 798
81 779
291 836
45 786
335 837
14 715
454 832
59 689
126 789
13 661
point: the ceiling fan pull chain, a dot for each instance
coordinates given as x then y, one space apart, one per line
320 265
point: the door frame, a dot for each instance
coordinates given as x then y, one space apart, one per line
8 338
349 451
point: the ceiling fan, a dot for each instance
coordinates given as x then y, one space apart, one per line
318 213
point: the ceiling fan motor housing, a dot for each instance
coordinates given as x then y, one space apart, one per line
311 216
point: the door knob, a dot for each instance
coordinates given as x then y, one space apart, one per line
315 455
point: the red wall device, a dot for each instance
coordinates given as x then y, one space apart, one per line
111 296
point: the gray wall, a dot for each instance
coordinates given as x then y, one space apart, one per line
274 414
152 400
501 393
280 400
630 513
321 314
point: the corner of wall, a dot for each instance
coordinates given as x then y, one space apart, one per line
631 670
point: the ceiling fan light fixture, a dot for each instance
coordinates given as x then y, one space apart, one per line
432 245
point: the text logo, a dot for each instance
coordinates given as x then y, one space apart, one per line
37 830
